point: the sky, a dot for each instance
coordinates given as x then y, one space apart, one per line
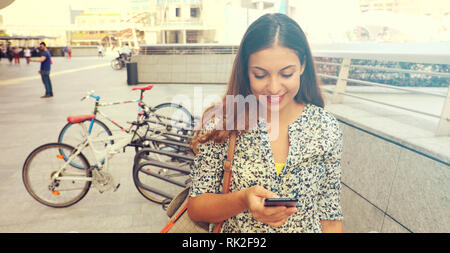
318 22
28 12
53 12
46 12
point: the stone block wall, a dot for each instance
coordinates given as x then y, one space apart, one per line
389 188
212 69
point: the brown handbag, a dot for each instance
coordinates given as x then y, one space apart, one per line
177 209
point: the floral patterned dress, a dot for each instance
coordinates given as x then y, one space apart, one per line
312 172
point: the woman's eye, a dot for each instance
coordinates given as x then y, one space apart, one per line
259 76
287 75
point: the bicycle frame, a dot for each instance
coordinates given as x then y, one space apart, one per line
144 115
100 155
97 111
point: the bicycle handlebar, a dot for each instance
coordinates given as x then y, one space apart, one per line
90 94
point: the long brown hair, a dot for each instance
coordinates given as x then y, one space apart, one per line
262 34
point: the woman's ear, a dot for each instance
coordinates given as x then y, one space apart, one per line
302 68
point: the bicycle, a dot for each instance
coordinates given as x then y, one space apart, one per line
67 174
175 121
59 175
120 62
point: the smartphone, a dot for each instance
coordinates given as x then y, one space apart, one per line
288 202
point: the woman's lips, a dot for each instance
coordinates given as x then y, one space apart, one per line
274 99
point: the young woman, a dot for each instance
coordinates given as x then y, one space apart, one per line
301 160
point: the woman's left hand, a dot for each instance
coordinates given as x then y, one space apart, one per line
272 216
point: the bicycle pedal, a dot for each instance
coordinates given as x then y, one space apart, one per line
117 187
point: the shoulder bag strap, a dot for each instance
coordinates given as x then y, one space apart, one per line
227 171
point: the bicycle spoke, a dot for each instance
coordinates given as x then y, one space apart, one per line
44 170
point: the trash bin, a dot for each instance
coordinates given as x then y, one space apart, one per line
132 75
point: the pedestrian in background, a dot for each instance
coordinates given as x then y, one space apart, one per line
66 52
44 71
292 150
17 55
27 54
69 52
10 53
35 52
100 51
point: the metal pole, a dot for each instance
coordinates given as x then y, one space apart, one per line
444 122
341 84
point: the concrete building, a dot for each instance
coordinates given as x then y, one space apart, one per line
411 7
110 26
155 21
211 21
403 20
96 29
178 21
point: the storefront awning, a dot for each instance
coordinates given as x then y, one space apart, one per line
25 37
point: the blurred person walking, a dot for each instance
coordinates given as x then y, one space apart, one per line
45 61
10 53
69 52
16 52
66 52
27 54
100 51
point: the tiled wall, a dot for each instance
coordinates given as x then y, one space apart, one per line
391 189
214 68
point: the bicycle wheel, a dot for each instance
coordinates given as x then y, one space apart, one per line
160 182
172 122
42 164
175 115
116 64
74 134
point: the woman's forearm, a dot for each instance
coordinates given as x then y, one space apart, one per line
214 208
331 226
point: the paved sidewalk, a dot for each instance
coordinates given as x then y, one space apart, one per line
27 121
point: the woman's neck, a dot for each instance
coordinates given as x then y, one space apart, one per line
285 116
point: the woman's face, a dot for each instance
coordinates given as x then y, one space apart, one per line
275 74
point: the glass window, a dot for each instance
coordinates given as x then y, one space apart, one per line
195 12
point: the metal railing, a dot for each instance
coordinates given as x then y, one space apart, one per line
187 49
347 61
344 64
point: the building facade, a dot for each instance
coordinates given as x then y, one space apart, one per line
154 21
206 21
411 7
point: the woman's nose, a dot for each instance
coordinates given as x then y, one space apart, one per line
274 86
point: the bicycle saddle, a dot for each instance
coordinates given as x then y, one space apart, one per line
74 119
144 88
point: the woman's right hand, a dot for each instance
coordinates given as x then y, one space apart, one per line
272 216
